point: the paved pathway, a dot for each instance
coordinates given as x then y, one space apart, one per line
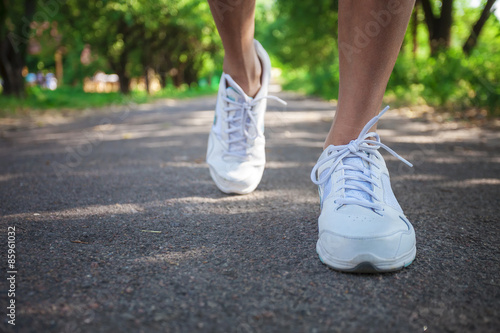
120 229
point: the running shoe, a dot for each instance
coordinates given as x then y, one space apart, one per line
362 227
236 144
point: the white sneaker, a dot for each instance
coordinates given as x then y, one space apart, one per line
236 145
361 227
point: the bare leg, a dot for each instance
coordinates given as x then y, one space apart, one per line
370 36
235 20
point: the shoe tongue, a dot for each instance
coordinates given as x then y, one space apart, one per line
238 146
234 95
359 164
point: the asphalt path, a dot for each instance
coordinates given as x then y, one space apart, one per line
119 228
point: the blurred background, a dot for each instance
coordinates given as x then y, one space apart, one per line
93 53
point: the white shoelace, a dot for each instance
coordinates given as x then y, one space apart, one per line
361 147
242 124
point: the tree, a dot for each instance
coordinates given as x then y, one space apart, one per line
15 31
170 36
439 27
305 32
471 42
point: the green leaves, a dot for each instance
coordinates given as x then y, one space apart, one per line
303 36
172 37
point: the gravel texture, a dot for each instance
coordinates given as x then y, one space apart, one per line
119 227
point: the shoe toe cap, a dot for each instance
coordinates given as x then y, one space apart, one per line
351 232
345 248
240 173
241 180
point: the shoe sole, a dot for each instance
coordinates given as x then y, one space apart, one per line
366 262
233 189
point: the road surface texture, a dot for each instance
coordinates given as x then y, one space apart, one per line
119 227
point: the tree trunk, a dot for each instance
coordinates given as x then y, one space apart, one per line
163 80
59 65
123 78
476 30
11 67
439 27
445 20
190 75
124 83
13 49
177 78
146 80
414 26
119 67
146 64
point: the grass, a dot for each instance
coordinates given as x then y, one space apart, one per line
74 98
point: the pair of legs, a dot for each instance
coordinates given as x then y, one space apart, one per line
370 36
362 227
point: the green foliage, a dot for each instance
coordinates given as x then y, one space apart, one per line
178 40
168 35
301 33
301 38
450 80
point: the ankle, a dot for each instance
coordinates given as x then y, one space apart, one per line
250 86
247 73
340 136
345 129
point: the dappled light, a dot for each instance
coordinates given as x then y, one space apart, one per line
114 166
126 206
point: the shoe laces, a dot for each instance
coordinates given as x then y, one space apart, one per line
242 124
362 173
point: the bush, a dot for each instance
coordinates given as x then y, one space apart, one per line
449 81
